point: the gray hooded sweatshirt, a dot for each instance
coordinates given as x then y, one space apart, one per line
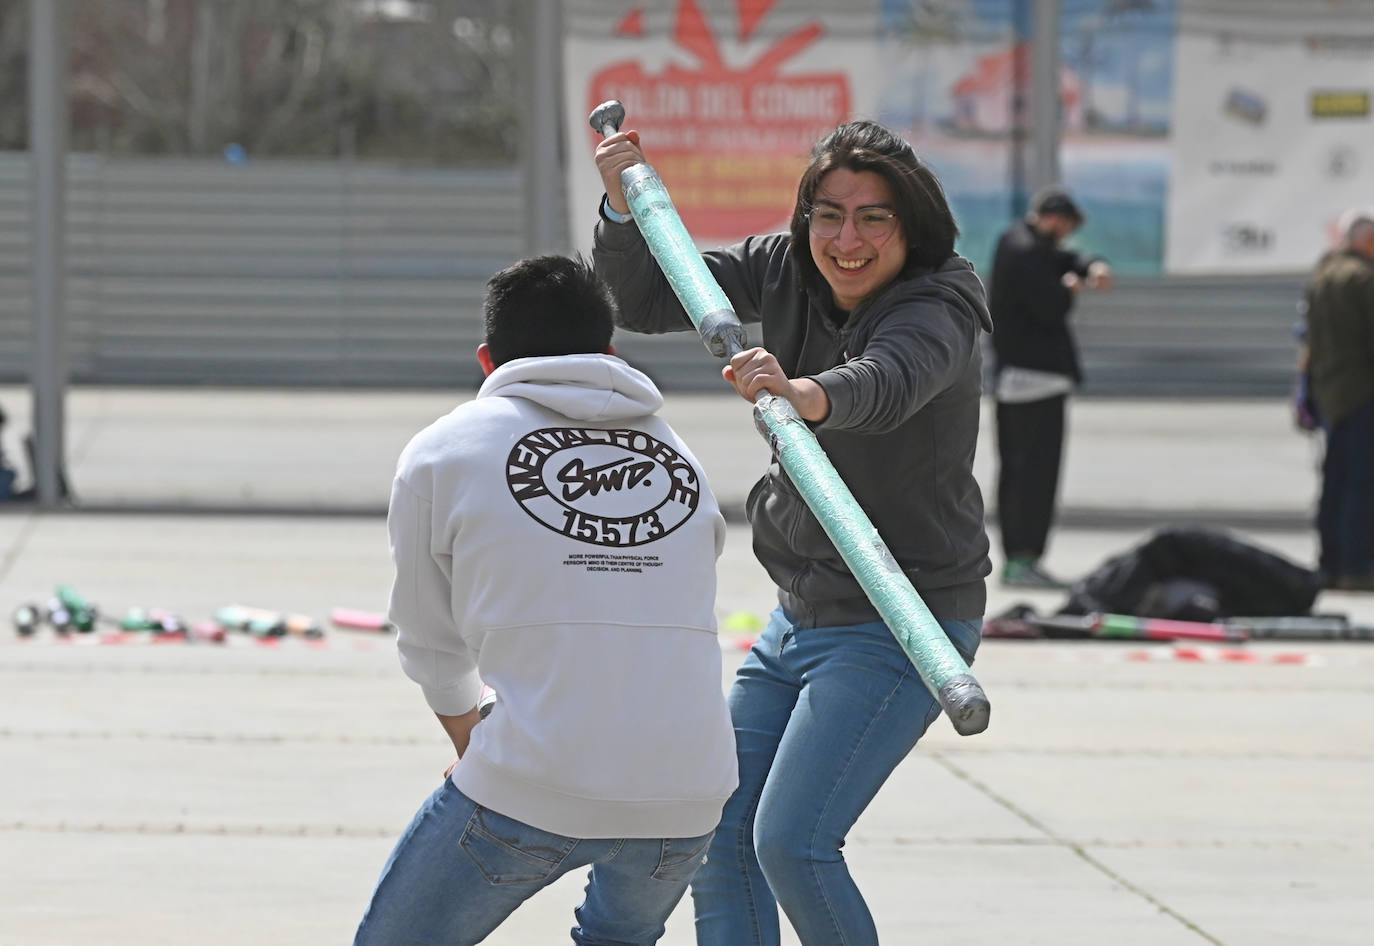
903 372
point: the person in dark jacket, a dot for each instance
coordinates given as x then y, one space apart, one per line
870 329
1034 283
1340 344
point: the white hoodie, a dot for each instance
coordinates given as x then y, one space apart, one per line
555 539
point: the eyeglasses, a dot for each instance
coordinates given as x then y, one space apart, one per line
872 223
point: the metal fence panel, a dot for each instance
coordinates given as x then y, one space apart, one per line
280 273
266 273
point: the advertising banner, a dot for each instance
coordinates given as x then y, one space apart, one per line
957 83
729 96
1272 136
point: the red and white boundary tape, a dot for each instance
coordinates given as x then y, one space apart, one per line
1237 655
1189 653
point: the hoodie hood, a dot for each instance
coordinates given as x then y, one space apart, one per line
955 282
957 279
583 387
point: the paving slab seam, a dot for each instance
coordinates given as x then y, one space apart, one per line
1077 848
236 739
163 829
17 546
78 451
355 831
1084 752
204 671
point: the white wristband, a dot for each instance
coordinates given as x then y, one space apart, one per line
611 214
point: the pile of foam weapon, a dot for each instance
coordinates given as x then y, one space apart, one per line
70 613
1022 622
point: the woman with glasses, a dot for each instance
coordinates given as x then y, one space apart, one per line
870 327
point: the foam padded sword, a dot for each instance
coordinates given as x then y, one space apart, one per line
944 672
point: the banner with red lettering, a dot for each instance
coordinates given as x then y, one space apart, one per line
728 98
730 95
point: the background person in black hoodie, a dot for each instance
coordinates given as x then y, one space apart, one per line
1034 283
870 328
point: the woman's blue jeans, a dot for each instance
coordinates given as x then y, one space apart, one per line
822 717
460 869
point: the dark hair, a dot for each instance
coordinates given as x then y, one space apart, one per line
921 207
1055 200
547 305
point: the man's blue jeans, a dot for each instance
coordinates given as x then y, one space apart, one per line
822 716
460 869
1345 515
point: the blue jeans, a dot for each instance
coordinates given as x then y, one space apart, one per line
460 869
822 717
1345 515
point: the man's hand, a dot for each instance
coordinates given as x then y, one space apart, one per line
459 729
613 155
755 369
1100 275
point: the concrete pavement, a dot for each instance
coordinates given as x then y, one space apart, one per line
1129 462
1142 795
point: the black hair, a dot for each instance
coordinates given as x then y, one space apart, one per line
547 305
1054 200
927 222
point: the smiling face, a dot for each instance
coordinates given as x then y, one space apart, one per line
856 267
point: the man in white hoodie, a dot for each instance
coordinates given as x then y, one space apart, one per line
556 540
